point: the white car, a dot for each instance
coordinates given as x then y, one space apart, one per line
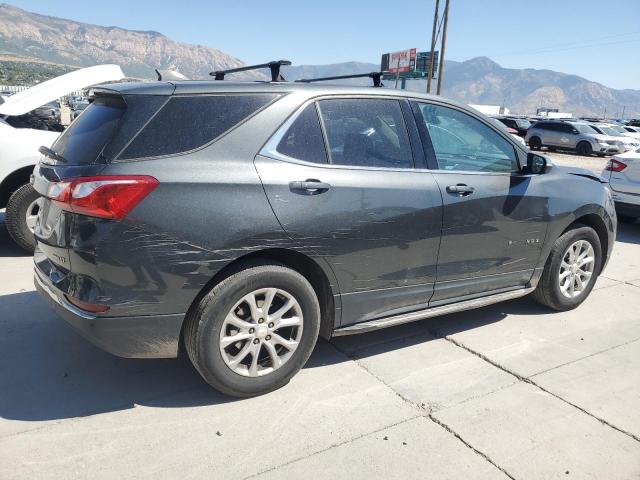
19 146
623 174
630 141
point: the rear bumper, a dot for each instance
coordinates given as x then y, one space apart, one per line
154 336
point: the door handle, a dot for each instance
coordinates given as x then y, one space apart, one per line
460 189
309 186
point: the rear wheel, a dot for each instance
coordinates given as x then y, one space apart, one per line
254 330
535 143
584 149
571 269
21 215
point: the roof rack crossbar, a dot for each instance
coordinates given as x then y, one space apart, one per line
375 76
274 66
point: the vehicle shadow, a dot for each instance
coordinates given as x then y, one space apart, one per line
7 246
628 233
50 372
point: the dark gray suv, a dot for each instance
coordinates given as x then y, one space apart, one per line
243 220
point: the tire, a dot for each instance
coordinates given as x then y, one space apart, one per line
626 219
535 143
20 201
207 323
584 149
548 291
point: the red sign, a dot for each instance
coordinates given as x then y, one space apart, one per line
403 61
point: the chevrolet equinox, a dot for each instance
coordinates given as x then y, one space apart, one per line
242 220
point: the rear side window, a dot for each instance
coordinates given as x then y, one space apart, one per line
303 139
83 142
188 123
366 133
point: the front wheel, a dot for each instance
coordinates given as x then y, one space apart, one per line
571 269
584 149
21 214
254 330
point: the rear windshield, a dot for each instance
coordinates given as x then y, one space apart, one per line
82 143
190 122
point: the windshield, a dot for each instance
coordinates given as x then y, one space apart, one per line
584 128
523 123
610 131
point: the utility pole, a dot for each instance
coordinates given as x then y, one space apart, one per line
623 109
442 47
433 46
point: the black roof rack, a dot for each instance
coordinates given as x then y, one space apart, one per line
273 66
375 76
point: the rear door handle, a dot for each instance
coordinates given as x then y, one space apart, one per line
309 186
460 189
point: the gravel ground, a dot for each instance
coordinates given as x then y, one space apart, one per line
595 164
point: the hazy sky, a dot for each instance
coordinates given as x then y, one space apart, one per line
596 39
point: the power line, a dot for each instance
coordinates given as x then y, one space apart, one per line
571 45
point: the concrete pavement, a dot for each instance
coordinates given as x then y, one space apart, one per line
507 391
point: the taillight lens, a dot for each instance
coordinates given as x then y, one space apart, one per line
615 165
105 196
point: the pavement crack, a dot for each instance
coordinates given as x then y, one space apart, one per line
468 445
455 342
334 445
355 360
582 358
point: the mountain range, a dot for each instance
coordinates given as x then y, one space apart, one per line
31 38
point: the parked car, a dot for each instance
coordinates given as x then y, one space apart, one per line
623 174
511 131
49 111
77 107
300 210
629 142
626 131
520 124
577 136
634 123
22 133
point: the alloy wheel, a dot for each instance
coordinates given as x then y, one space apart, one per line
261 332
576 268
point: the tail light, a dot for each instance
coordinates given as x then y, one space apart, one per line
615 165
87 307
106 196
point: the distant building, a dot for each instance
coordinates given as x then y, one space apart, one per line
491 109
552 113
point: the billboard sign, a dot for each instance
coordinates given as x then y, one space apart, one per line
408 63
402 61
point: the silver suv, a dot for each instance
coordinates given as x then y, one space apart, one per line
577 136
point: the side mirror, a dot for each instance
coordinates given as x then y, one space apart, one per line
536 164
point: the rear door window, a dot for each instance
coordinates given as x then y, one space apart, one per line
366 132
187 123
82 143
303 139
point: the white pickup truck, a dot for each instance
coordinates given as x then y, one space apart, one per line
19 146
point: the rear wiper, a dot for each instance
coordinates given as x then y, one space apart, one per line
47 152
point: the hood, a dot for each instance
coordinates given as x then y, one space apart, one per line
45 92
604 138
577 171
